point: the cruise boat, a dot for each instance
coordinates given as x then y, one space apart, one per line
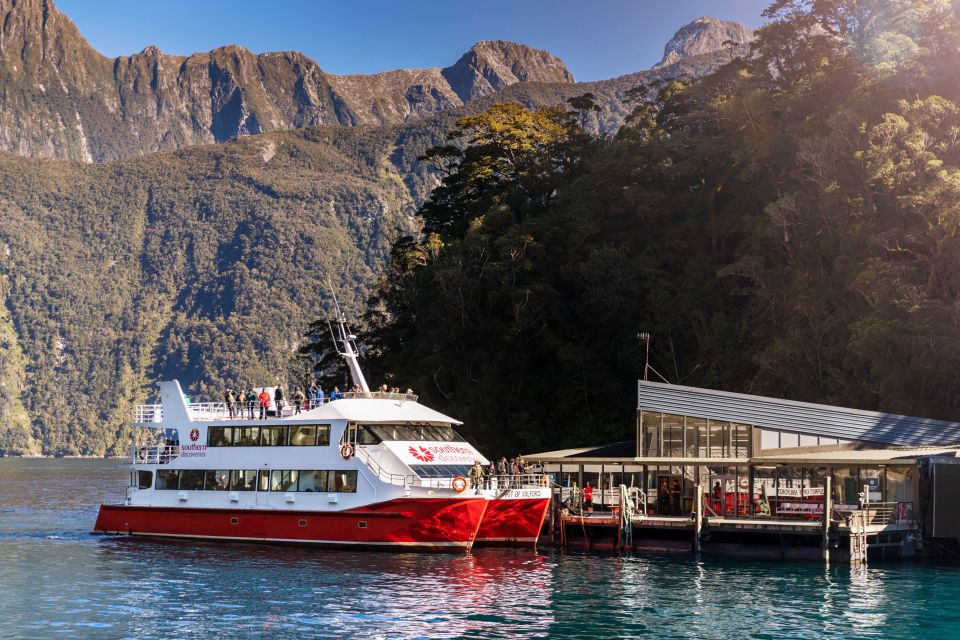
370 469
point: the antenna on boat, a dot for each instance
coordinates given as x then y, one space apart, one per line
348 340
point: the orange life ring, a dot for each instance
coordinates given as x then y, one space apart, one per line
459 484
346 451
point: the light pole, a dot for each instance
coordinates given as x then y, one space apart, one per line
646 363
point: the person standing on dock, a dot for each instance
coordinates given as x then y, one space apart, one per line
663 498
588 498
675 499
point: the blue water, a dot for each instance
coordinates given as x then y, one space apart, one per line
57 581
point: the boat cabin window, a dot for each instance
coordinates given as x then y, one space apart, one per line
440 470
144 479
270 436
316 481
243 480
191 479
218 480
283 480
377 433
246 436
167 479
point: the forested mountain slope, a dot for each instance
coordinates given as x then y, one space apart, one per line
788 225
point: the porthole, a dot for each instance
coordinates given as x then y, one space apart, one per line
303 522
234 520
362 524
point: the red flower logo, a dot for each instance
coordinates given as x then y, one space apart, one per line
195 434
421 454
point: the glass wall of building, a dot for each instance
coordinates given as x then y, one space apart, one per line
666 435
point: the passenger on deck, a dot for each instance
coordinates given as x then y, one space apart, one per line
278 400
491 474
251 399
264 399
318 397
228 400
476 476
298 399
336 395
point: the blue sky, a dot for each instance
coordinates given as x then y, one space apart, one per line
596 38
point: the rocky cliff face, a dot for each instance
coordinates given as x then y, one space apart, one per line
60 98
704 36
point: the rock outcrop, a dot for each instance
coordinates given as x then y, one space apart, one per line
704 36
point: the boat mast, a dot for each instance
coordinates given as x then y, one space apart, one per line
348 340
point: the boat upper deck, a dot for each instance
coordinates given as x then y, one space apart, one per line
151 414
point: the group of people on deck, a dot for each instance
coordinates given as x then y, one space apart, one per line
244 403
500 473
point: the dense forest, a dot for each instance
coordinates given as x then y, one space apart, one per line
787 225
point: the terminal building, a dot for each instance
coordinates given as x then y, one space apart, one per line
770 461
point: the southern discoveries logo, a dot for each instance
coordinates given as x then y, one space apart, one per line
442 453
193 450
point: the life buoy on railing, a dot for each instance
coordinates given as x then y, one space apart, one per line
459 484
346 451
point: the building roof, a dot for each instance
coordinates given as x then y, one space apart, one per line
376 410
858 456
797 417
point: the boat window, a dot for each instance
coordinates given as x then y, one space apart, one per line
304 434
263 483
273 436
168 479
247 436
220 436
191 479
345 481
312 481
377 433
243 480
144 479
283 481
440 470
218 480
323 435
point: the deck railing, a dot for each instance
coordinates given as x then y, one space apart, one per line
155 455
202 411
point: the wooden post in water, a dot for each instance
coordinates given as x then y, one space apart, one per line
827 508
698 518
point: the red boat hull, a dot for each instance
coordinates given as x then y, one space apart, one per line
513 522
435 524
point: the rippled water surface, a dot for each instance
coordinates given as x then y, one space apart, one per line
56 580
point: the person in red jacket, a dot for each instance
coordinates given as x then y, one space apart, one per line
264 399
588 498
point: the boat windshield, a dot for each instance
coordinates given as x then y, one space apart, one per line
377 433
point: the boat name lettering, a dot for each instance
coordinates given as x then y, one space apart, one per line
193 451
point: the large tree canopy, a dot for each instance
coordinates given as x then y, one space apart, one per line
787 225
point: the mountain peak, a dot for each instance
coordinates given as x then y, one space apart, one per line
704 35
491 65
